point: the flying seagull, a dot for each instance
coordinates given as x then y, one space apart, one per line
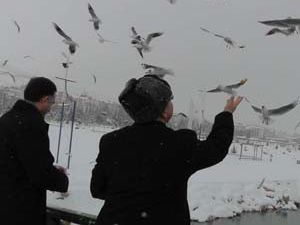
95 20
17 25
286 31
141 44
265 114
102 40
155 70
5 62
229 89
28 57
229 42
95 78
67 40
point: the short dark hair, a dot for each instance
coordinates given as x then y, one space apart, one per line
39 87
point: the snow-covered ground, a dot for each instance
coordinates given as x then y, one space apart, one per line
224 190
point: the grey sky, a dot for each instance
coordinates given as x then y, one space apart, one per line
198 59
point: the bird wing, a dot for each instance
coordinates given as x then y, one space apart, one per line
61 32
95 79
17 25
134 31
28 56
256 109
153 35
205 30
91 11
12 77
148 66
283 109
140 52
214 90
274 23
273 31
5 62
219 35
237 85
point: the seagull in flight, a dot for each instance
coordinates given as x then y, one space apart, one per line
5 62
67 40
155 70
18 26
95 78
265 114
229 89
28 57
229 42
95 20
141 44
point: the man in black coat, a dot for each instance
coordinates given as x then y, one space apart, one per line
142 170
26 163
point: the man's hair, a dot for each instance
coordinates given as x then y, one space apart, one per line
39 87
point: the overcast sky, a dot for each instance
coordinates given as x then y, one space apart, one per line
200 61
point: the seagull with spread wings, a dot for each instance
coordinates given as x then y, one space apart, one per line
141 44
288 26
67 40
265 114
155 70
229 89
229 42
95 19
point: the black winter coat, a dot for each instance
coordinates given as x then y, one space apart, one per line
26 166
142 171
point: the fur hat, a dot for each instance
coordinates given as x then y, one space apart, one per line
145 99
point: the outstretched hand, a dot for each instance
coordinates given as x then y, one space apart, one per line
232 104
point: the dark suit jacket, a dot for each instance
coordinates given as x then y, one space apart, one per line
26 166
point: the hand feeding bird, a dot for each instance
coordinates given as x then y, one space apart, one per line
95 20
265 114
229 89
155 70
141 44
229 42
67 40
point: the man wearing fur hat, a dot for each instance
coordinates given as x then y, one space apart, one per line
142 170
